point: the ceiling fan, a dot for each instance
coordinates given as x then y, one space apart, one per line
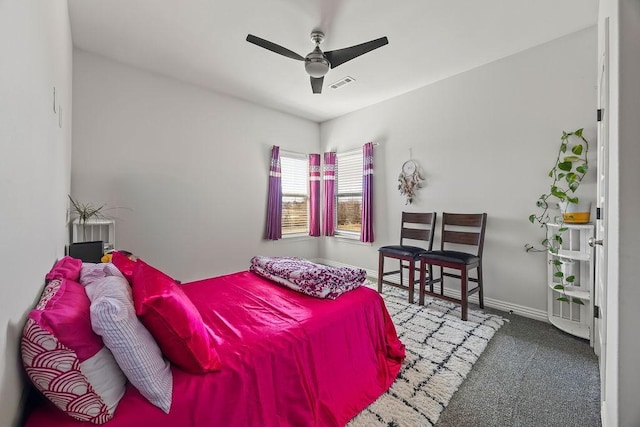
317 63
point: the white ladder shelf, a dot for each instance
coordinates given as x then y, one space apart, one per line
576 257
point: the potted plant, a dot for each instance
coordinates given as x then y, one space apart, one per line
570 167
85 212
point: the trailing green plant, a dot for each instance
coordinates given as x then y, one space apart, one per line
570 167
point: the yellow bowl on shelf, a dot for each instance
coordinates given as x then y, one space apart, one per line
576 217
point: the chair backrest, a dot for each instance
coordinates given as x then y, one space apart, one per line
464 229
418 226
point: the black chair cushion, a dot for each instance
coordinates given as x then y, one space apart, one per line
404 251
450 256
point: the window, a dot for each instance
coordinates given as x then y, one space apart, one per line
295 193
349 191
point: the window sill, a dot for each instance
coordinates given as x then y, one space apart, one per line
296 237
352 238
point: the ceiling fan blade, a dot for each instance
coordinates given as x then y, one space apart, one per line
274 47
316 84
340 56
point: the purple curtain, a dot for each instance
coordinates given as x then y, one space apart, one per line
314 195
366 233
274 203
328 226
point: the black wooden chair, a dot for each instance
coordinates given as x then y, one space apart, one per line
416 227
457 229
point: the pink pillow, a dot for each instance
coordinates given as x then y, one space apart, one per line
173 320
66 360
125 264
66 268
63 311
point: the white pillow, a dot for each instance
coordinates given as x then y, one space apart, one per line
114 318
91 272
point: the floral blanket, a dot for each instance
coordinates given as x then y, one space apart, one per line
304 276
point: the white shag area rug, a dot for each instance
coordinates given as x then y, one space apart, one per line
441 350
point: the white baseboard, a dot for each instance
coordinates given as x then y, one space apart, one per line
603 414
488 302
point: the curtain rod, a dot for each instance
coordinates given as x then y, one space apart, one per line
353 150
296 153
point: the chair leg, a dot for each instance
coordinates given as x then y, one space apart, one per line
380 271
422 283
480 295
411 280
463 293
401 279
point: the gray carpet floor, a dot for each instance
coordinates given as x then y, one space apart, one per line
530 374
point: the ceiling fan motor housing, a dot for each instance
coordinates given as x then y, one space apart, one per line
316 64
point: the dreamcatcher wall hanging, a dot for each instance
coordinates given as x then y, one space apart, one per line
409 180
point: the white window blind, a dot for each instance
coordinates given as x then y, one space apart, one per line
349 191
295 193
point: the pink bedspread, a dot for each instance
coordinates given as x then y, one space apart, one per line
289 360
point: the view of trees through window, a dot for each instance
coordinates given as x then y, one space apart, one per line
295 215
349 191
349 213
295 193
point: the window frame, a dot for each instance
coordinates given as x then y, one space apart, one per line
349 234
297 157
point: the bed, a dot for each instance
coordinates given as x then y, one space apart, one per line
286 359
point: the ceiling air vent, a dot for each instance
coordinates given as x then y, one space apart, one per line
342 82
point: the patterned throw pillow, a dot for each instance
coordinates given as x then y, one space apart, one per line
138 355
66 360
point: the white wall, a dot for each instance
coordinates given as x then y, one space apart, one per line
35 41
486 140
190 166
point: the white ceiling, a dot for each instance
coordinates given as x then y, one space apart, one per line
203 42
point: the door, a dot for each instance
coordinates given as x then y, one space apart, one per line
600 243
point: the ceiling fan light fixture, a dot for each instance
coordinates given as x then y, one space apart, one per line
316 67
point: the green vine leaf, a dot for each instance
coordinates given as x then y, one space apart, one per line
572 159
565 166
556 192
